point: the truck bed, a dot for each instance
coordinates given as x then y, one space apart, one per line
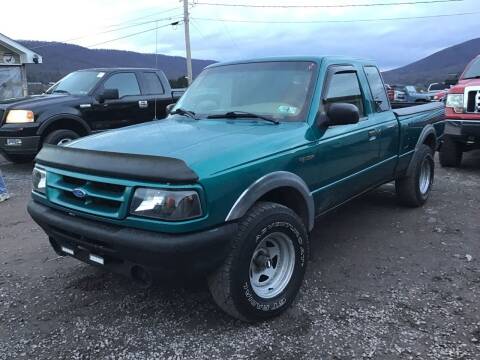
419 108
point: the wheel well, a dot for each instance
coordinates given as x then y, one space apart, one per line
65 124
431 141
291 198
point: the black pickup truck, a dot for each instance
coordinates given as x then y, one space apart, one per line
83 102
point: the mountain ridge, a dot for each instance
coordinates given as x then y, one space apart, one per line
435 67
59 59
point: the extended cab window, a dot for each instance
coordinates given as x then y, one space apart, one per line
345 88
153 86
126 83
377 88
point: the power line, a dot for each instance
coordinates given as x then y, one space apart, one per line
134 34
334 21
147 16
109 31
326 6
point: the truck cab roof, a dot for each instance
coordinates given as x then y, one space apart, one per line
315 59
107 70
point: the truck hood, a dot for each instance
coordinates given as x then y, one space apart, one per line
462 84
34 102
207 146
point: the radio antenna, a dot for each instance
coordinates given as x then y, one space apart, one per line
156 64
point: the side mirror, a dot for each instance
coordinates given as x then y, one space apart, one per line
169 108
108 94
342 114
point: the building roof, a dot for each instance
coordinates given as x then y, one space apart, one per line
27 56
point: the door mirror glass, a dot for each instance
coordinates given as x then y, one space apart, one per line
342 114
108 94
169 108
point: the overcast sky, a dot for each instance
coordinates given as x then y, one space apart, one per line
391 43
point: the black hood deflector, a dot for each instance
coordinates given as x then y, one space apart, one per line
118 165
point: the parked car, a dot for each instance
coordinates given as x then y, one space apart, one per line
82 103
410 94
230 184
462 112
435 87
390 92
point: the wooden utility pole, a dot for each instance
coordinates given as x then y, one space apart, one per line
187 41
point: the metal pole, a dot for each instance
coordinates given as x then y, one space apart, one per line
187 42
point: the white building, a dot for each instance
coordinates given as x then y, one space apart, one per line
13 72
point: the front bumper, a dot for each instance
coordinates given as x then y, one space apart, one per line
124 249
25 145
464 130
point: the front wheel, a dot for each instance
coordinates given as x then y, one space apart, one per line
451 153
60 137
266 264
413 190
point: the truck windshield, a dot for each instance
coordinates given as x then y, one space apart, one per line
279 90
473 70
77 83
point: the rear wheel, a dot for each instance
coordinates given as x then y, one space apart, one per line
266 264
451 153
413 190
60 137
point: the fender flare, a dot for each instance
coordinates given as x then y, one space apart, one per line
51 120
427 131
269 182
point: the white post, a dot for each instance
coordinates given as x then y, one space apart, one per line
187 42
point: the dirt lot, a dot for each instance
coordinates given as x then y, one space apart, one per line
384 282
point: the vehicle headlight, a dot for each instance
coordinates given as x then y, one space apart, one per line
39 179
166 204
455 101
20 117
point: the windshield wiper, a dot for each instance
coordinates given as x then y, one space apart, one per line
60 92
242 114
184 112
472 77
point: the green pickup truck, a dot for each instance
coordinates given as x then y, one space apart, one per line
228 186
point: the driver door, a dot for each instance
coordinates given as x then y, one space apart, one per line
346 155
120 112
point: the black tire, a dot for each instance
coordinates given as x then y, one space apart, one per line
19 159
411 190
57 136
451 153
231 286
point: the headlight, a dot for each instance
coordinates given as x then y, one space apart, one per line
455 101
165 204
39 178
20 117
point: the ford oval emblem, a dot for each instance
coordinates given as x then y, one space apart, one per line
79 193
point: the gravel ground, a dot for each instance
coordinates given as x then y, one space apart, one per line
384 282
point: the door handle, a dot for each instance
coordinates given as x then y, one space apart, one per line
143 104
372 134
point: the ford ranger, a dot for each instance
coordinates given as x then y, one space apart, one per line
230 184
462 117
82 103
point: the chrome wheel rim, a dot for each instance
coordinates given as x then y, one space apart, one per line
63 141
425 176
272 264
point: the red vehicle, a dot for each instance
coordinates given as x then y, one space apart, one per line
462 116
390 92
